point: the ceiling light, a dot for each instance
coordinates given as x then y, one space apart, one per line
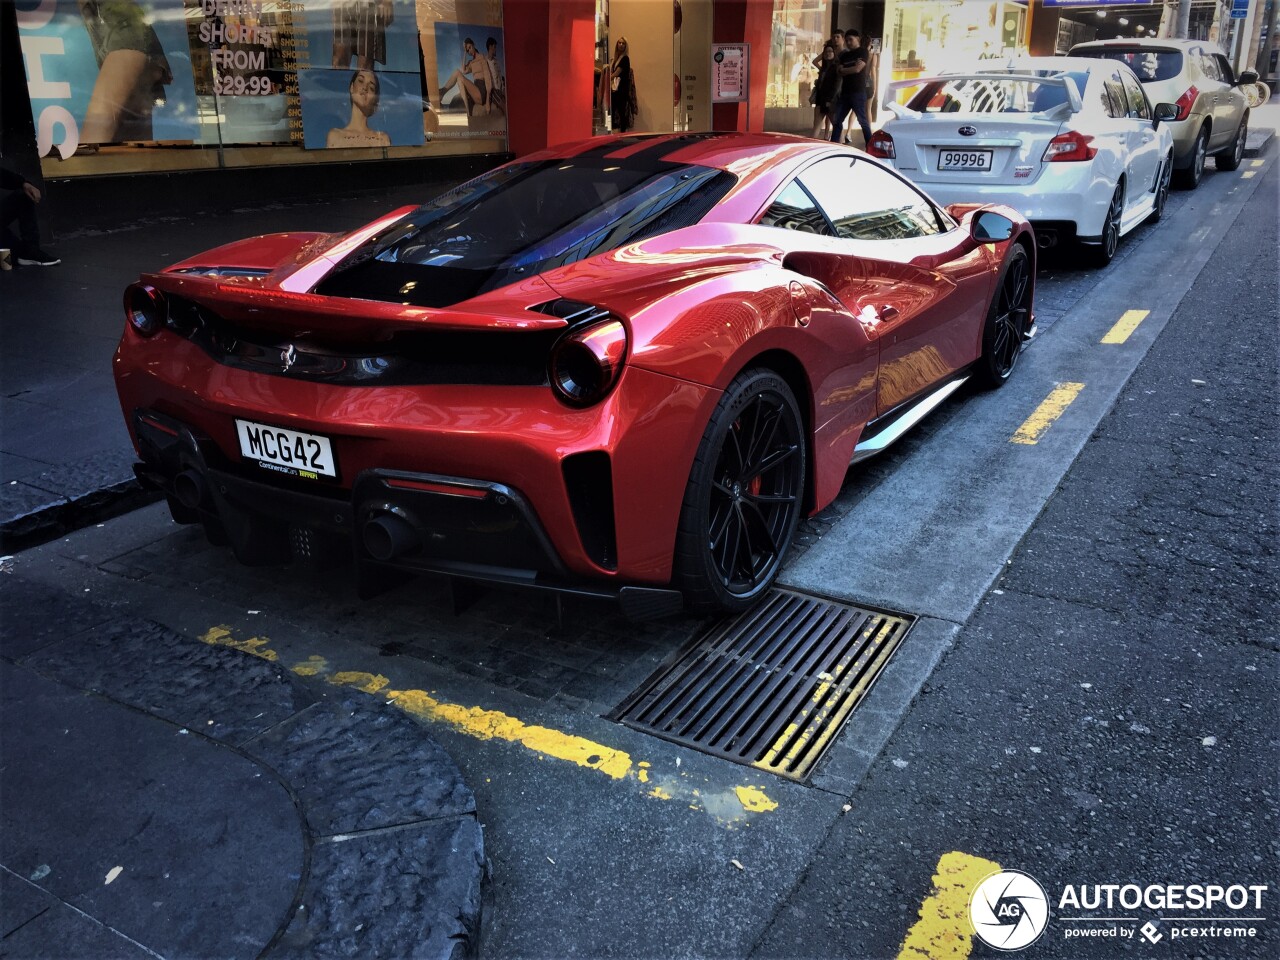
1124 22
1101 13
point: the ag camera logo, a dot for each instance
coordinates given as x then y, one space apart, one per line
1009 910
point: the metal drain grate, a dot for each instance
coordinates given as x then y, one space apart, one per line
771 687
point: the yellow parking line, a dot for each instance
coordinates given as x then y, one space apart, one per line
1125 326
1257 163
1247 174
1051 409
730 806
944 929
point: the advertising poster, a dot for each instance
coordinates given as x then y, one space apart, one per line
471 76
360 108
361 35
246 43
107 71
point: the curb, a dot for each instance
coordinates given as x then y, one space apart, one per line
68 514
377 798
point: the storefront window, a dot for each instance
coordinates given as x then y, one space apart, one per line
119 86
800 28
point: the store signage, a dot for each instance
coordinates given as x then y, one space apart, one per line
730 69
1239 9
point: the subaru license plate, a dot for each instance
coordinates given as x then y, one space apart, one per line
286 451
964 159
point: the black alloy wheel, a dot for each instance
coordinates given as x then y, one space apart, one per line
1190 177
1102 254
1230 158
1007 320
1162 189
744 497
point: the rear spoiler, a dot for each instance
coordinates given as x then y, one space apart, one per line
1060 80
296 314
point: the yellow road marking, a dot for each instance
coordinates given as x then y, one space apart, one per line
730 806
944 931
1247 174
1051 409
1125 326
1257 163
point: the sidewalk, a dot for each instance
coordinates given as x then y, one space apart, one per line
160 796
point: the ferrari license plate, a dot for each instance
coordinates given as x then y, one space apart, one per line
964 159
286 451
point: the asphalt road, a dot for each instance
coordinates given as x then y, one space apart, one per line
1089 694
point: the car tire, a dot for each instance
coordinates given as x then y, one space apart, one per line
1102 253
1007 320
744 497
1189 178
1162 189
1229 159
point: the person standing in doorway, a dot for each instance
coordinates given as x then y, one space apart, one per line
853 88
621 111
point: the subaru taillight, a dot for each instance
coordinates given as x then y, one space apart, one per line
881 145
1186 102
1070 146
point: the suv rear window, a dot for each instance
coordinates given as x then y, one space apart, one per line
1149 65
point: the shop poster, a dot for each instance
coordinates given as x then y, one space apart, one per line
471 70
358 34
360 108
75 50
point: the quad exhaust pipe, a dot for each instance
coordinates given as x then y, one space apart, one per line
387 536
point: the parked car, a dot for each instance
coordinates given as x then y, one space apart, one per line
625 367
1213 106
1073 144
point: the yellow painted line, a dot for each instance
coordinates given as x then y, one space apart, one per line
943 930
1034 427
731 806
1247 174
1257 163
1125 326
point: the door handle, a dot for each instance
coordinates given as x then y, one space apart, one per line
888 312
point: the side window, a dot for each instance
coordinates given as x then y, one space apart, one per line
1139 109
795 210
866 202
1113 95
1209 67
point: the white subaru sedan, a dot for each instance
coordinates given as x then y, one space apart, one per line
1073 144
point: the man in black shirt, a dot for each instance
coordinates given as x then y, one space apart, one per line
853 87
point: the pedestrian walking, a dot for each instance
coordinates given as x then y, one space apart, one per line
18 205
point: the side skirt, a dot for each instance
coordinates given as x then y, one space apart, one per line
887 430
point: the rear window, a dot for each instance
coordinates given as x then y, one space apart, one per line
995 94
522 219
1149 65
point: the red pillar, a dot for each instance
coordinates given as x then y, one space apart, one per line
744 21
550 47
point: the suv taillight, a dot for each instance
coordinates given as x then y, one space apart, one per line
1186 102
881 145
1069 146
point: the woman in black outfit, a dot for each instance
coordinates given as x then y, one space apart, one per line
825 90
622 98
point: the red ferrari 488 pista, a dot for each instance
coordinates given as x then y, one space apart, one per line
624 367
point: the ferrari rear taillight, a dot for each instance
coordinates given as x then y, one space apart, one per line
881 145
1070 146
587 362
1186 102
144 308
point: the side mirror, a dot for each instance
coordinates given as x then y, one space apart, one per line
1165 111
1246 78
991 227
